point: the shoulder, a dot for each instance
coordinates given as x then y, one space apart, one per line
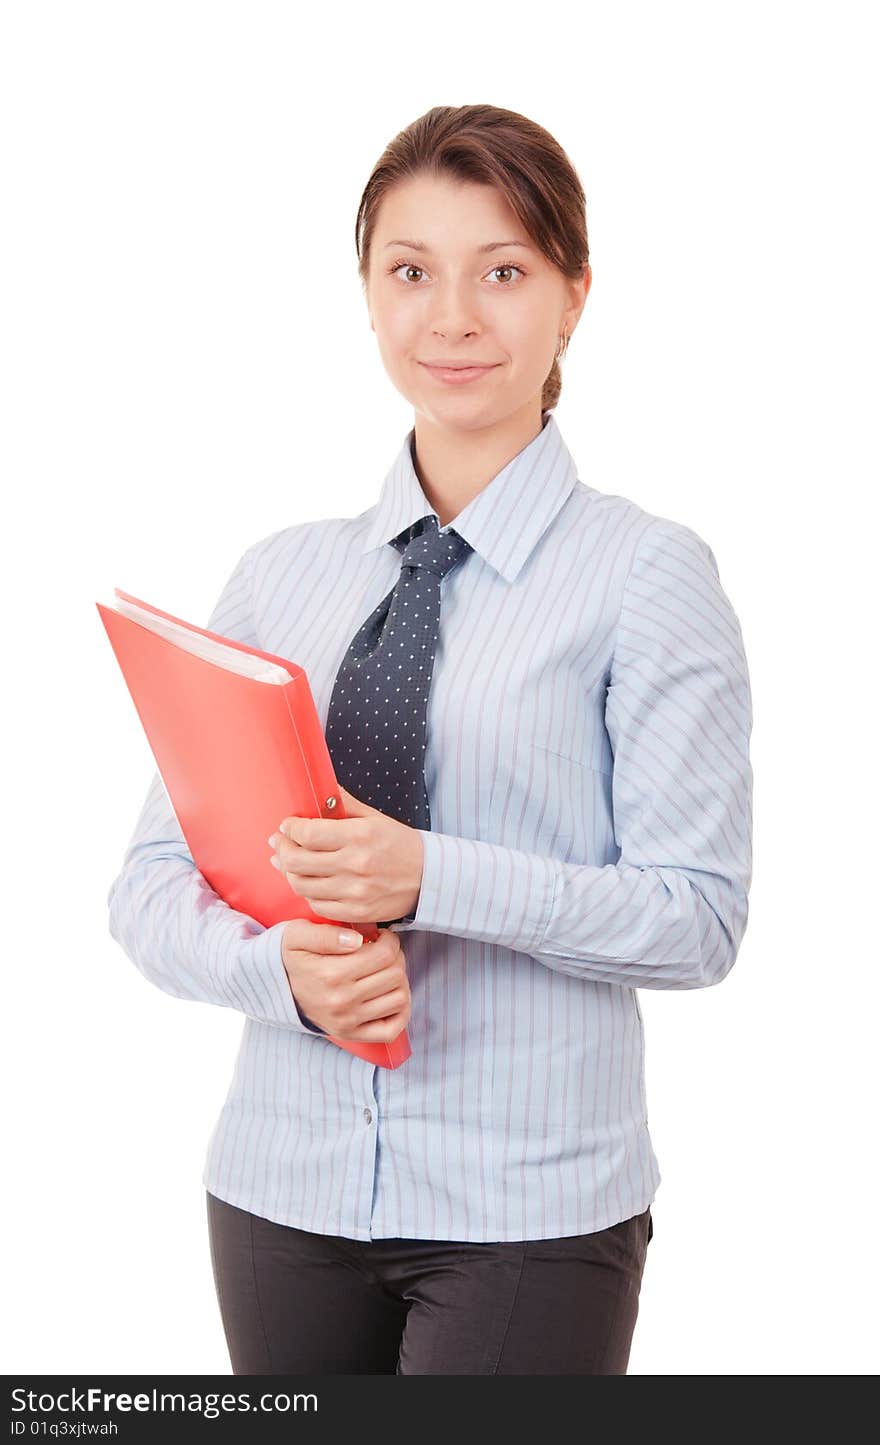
639 533
278 551
634 538
672 600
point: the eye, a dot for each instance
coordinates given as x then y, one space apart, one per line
399 264
501 266
508 266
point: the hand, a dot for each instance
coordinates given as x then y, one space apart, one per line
362 868
364 995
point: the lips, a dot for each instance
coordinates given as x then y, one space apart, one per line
457 375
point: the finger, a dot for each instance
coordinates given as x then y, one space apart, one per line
377 984
304 933
379 1008
324 889
305 861
318 835
379 1030
334 908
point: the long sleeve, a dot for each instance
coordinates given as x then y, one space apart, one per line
670 913
168 919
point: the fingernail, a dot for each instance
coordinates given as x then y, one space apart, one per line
275 861
349 939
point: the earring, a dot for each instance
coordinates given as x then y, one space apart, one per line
562 347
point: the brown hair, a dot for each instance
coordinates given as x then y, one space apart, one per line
491 146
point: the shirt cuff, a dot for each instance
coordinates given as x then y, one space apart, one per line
264 963
474 889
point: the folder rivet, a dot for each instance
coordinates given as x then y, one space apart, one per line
331 803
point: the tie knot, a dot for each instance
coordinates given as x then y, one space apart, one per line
423 545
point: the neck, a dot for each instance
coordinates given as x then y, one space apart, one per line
454 465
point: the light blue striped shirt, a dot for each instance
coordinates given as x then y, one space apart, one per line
590 788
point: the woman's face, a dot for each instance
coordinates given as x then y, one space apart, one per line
451 298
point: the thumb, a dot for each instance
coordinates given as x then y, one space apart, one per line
353 806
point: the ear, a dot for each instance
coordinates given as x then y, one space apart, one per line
578 293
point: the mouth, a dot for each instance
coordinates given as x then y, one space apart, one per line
457 375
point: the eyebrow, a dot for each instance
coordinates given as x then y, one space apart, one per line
490 245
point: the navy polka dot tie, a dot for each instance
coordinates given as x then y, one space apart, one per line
377 719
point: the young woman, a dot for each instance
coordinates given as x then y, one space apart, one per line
537 703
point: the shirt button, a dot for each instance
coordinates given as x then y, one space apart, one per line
368 1116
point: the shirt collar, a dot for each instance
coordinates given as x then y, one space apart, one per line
505 521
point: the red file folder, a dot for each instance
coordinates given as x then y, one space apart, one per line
236 756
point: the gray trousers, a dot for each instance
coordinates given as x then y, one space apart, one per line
294 1302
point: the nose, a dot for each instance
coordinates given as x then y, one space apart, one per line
454 311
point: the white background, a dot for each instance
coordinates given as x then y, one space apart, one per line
182 322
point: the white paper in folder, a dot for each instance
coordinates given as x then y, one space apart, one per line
217 652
